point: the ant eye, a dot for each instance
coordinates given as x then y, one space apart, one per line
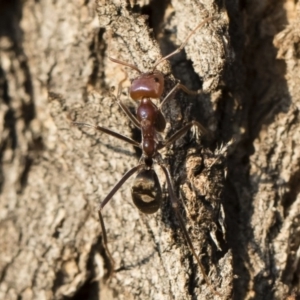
156 79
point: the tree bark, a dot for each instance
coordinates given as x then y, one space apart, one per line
238 186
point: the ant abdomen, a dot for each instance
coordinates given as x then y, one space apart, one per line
146 192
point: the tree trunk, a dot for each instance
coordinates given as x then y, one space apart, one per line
238 185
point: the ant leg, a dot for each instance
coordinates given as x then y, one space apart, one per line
177 87
110 132
174 202
173 90
111 265
125 109
128 113
181 132
100 207
183 44
119 184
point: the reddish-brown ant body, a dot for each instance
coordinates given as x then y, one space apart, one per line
146 191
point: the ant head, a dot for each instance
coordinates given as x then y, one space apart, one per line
147 85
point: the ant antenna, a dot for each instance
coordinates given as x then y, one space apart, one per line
183 44
125 64
119 61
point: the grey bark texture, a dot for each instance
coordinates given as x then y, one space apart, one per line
238 186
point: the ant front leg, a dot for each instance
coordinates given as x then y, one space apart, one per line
125 109
177 87
177 135
128 113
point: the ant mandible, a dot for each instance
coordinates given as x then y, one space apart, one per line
146 191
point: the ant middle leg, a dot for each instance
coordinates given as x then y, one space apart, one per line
110 132
177 135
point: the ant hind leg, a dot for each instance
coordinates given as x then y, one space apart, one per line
125 177
175 206
110 260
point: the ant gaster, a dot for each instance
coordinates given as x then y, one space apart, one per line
146 191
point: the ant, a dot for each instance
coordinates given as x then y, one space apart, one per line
146 190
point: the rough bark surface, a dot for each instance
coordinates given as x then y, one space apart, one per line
238 187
